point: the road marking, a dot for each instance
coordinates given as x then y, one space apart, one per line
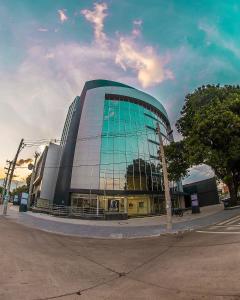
235 225
230 226
225 232
116 235
229 221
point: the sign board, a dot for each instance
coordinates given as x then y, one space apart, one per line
194 200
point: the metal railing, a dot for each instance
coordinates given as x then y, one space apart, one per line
68 211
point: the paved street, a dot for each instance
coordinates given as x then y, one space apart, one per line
195 265
133 228
230 226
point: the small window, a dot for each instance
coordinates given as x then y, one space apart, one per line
141 204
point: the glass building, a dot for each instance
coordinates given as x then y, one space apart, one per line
109 151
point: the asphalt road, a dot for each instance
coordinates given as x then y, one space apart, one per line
196 265
60 226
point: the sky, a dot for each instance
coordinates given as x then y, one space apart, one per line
50 48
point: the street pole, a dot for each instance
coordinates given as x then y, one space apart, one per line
31 181
6 178
6 198
165 180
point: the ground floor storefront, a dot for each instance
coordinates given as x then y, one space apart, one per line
118 206
132 205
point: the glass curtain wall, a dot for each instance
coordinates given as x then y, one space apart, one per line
129 148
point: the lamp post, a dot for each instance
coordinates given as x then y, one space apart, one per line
31 180
165 179
6 198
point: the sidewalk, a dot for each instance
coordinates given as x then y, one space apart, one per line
131 228
140 221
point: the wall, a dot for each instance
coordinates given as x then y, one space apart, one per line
50 172
85 172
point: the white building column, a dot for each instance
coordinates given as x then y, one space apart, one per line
97 205
125 205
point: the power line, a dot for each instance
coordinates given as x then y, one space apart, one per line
107 135
92 165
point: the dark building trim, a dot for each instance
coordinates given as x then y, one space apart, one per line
117 97
122 192
115 192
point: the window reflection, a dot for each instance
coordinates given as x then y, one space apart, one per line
129 148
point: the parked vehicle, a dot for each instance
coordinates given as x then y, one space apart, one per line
177 212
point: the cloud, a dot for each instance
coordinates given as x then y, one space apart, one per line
45 83
50 77
198 173
138 22
2 174
96 17
42 29
62 15
49 56
215 36
145 61
136 32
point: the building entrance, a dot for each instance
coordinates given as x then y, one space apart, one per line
84 201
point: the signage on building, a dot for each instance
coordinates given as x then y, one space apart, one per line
113 205
194 199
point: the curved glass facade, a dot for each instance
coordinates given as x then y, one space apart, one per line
110 151
129 148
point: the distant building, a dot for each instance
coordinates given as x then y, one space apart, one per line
206 191
108 155
46 174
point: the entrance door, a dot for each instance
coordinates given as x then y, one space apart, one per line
113 205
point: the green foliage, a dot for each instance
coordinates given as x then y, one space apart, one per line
200 98
177 160
20 189
210 125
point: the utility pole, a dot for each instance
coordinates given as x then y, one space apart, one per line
165 180
6 198
6 178
31 181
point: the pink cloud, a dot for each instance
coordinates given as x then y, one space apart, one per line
150 67
128 53
62 15
96 17
137 24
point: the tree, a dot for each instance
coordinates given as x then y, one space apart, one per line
210 125
28 180
20 189
177 160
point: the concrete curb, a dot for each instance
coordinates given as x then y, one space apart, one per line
113 232
231 208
